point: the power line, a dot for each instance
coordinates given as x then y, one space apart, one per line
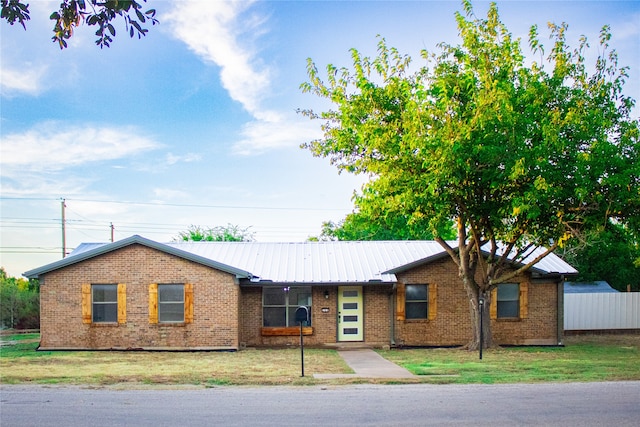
181 205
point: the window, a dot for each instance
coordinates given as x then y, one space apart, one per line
508 300
416 301
104 303
279 305
171 303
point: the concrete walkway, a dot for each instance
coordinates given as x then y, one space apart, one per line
367 363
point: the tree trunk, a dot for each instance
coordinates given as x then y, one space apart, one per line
474 316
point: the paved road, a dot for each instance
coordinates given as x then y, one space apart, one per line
582 404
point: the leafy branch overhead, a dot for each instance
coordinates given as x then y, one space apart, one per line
73 13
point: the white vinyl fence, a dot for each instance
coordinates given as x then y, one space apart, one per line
602 311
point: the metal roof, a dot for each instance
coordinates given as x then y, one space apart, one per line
302 262
597 287
315 262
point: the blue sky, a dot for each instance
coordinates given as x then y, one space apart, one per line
196 123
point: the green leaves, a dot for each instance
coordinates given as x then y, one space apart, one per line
14 10
510 152
73 12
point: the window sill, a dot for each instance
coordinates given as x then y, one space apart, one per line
104 324
508 319
285 331
416 320
171 324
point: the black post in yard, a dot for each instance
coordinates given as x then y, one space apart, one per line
302 316
301 349
481 307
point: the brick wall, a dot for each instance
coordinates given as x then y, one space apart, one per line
377 312
228 317
215 308
323 322
452 325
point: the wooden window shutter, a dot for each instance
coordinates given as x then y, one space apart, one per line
400 299
153 303
86 303
188 303
122 303
433 301
524 297
493 308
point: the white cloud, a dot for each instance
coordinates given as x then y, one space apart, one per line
24 81
167 194
212 29
52 147
172 159
278 131
29 184
627 30
215 31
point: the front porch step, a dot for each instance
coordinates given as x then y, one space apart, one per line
354 345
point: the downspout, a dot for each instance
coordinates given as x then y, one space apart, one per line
392 308
560 326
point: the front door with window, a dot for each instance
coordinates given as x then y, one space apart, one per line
350 324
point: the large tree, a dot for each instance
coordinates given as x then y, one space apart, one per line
73 13
520 154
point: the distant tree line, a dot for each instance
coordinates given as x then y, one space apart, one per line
19 302
228 233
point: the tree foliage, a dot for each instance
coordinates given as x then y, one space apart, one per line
19 302
611 253
228 233
100 13
521 157
359 225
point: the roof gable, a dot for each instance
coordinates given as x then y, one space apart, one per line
549 265
92 250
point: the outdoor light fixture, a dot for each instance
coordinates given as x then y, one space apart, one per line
326 294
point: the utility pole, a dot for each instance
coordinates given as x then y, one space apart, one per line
111 226
64 230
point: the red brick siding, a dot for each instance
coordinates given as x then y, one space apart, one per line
216 298
452 325
324 324
226 315
540 326
377 314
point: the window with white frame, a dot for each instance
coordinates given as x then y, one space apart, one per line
279 305
416 301
104 303
170 303
508 300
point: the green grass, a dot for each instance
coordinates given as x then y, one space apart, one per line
583 359
591 358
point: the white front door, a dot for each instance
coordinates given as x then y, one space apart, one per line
350 313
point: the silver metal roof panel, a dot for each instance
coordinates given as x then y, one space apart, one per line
302 262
